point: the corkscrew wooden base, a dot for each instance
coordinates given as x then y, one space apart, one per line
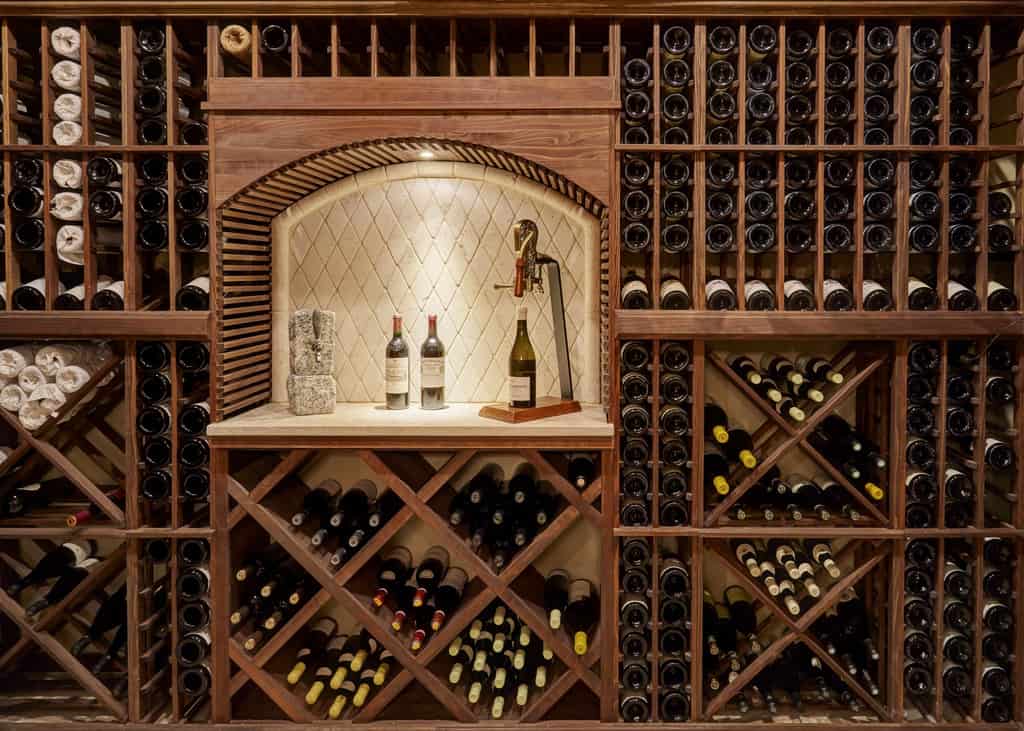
547 406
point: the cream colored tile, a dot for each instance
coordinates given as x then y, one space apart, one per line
435 169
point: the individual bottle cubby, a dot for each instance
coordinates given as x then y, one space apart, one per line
929 51
674 61
762 220
24 109
959 628
721 80
171 415
842 76
673 262
169 76
654 633
881 69
639 84
802 83
961 407
191 633
655 425
1002 234
763 465
722 217
638 228
928 205
761 84
800 212
840 214
794 628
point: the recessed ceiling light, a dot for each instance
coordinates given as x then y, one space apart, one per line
426 155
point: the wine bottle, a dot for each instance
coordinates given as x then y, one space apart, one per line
195 295
429 573
65 584
316 502
556 596
319 634
53 564
112 613
396 368
522 367
581 613
432 373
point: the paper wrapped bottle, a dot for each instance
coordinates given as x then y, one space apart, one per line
311 385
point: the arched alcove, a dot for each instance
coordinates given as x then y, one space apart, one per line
314 208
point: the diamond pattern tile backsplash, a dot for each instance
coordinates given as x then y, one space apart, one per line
417 245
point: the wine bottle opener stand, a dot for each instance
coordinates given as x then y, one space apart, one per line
529 278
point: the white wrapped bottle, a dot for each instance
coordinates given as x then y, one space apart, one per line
66 41
68 174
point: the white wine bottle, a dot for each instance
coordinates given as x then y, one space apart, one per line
396 368
432 368
522 367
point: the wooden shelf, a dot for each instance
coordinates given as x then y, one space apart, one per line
456 424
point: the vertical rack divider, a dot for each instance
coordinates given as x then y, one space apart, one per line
700 83
655 611
128 82
741 222
940 562
699 220
780 92
901 129
741 96
819 225
696 627
214 60
374 49
131 261
492 58
943 269
172 588
257 57
698 355
90 270
979 438
133 619
175 408
1018 711
780 236
50 264
1018 477
657 121
220 595
940 423
858 236
453 49
819 104
858 93
9 66
900 271
296 57
655 432
979 594
533 48
414 65
896 627
572 47
898 431
335 49
85 60
946 83
985 79
174 256
11 271
981 258
609 596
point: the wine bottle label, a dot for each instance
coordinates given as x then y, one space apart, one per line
637 285
915 284
519 388
202 283
81 551
869 286
954 287
716 285
792 286
396 375
753 286
994 287
833 285
116 287
579 590
670 286
432 372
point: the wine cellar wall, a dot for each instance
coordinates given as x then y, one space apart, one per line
797 499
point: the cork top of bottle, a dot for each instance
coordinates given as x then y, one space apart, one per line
522 312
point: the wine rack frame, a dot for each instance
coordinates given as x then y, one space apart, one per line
448 97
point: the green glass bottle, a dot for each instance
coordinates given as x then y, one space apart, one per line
522 367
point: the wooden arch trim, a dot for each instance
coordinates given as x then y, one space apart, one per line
242 297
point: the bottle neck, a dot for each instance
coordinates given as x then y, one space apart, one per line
396 327
521 328
432 327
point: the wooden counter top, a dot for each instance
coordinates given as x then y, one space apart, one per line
374 421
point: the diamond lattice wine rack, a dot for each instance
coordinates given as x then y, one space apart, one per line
796 280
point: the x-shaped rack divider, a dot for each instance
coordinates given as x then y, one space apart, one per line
799 630
797 436
38 632
414 666
39 442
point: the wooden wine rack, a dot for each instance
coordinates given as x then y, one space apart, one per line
536 92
